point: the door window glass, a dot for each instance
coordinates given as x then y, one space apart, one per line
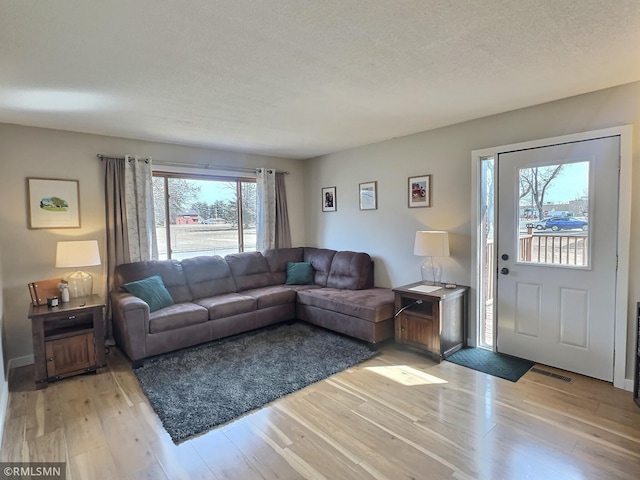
553 223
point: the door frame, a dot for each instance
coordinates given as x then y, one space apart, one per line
621 319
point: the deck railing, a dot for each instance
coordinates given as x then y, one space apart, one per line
545 249
554 249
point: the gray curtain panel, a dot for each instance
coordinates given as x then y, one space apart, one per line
283 229
116 215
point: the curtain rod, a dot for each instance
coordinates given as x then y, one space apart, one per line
207 166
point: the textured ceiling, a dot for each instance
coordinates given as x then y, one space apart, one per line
296 78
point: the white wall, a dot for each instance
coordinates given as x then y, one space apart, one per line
29 255
388 233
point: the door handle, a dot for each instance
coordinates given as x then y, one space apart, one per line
504 271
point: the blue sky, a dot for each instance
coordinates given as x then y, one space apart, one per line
572 183
211 191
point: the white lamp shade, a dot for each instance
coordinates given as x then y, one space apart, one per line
432 243
76 254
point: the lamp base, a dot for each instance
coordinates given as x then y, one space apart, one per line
431 272
80 284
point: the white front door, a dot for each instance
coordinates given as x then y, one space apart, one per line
556 255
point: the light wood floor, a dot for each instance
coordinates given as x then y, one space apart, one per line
396 416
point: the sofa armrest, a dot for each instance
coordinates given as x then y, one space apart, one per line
130 323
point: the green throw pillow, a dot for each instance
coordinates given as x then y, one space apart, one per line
152 291
299 273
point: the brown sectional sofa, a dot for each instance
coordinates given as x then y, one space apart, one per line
215 297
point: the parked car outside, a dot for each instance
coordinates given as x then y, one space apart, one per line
539 225
564 223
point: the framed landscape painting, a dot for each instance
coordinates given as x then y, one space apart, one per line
329 199
53 203
420 191
369 196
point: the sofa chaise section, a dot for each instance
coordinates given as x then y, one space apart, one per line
350 304
364 314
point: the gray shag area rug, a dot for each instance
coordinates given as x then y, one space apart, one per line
196 389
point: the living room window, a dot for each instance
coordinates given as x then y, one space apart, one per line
203 215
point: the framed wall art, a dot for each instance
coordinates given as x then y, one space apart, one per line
420 191
53 203
329 199
369 196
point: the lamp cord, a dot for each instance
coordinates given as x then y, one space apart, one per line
417 302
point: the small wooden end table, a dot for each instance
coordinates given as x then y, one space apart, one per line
68 339
434 322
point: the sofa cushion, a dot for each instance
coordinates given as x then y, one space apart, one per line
151 291
272 296
227 305
177 316
249 270
208 276
373 304
170 270
278 259
350 270
299 273
321 259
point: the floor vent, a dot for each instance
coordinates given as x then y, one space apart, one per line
552 375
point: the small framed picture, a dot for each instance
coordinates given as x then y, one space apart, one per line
329 199
369 196
420 191
53 203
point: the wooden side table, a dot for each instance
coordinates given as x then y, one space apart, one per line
437 325
67 339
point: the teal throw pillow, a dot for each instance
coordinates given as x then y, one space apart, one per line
152 291
299 273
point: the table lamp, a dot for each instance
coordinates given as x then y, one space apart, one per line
431 244
76 254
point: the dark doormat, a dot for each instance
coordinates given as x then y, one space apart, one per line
496 364
196 389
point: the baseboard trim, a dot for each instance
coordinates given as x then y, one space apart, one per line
4 387
20 362
628 384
